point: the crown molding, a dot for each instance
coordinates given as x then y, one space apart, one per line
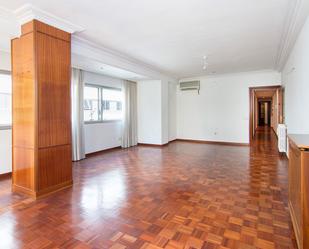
30 12
6 15
84 47
295 19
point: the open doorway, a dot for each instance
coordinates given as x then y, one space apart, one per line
265 108
264 113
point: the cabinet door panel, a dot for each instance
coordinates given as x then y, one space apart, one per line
54 91
295 189
305 165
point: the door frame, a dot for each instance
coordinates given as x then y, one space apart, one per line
252 106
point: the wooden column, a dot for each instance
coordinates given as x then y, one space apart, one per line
41 70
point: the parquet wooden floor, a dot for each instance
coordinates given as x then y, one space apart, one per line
184 195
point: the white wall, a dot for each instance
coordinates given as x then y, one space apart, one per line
165 111
5 135
101 136
172 111
5 61
149 111
5 151
296 83
221 111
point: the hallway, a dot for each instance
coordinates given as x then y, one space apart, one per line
184 195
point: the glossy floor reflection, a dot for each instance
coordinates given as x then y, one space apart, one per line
184 195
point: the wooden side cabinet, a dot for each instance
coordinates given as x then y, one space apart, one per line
299 187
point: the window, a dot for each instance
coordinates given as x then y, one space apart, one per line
5 100
91 104
112 110
102 104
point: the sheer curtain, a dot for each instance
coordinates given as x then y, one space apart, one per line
129 124
77 99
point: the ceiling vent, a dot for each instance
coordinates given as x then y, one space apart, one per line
190 86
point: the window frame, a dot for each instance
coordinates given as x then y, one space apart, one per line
100 114
8 126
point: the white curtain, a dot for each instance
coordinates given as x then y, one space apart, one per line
77 99
129 125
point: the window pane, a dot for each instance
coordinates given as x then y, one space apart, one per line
5 99
91 103
112 104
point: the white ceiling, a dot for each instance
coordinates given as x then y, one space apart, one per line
95 66
173 35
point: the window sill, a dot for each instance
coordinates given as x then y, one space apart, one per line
5 127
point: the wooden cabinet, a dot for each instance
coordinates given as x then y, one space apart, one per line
299 187
41 70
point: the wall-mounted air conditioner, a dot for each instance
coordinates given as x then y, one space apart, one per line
189 85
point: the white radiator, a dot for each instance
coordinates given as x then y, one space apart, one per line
282 137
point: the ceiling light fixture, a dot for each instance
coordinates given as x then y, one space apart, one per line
205 63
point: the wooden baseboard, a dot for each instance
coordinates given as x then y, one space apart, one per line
22 190
195 141
102 151
162 145
53 189
295 225
152 145
43 193
5 175
212 142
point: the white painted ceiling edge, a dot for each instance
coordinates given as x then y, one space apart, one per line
29 12
95 52
84 50
298 13
225 75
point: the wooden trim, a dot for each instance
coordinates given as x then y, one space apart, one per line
53 189
5 175
295 224
212 142
120 148
26 191
96 153
251 107
152 145
37 26
265 87
44 192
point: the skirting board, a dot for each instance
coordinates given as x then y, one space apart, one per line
152 145
295 225
102 151
212 142
42 193
5 175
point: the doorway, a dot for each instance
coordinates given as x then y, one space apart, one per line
264 113
265 108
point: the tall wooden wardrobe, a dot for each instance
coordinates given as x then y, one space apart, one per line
41 70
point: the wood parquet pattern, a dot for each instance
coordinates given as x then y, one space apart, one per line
184 195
